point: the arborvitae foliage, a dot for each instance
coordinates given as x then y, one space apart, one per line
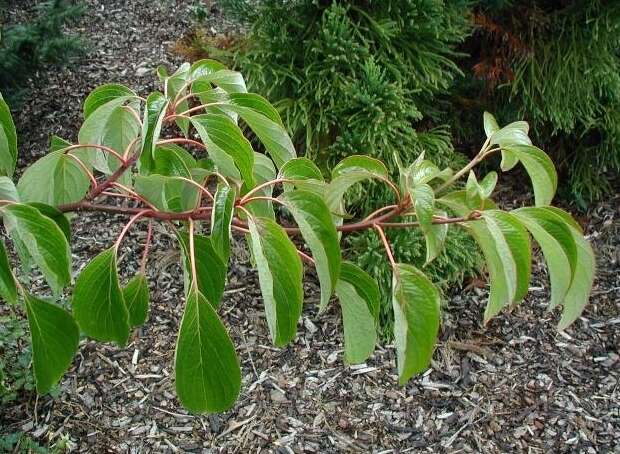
557 64
360 77
27 47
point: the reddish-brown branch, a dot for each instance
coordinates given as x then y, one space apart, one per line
386 245
147 244
183 140
306 258
98 147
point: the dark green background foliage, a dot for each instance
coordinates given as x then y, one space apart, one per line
363 77
29 46
555 64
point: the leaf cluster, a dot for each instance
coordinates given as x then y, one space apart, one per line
180 157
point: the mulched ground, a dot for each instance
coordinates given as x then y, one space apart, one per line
515 385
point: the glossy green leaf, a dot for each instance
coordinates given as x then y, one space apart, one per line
487 185
224 139
168 193
104 94
221 217
280 277
581 285
424 205
43 240
227 80
304 174
540 169
569 257
256 103
207 372
516 237
204 67
501 280
55 179
359 299
98 304
319 232
154 112
558 247
473 192
264 171
55 215
348 172
8 191
271 134
416 320
136 296
101 128
210 268
8 287
8 140
515 133
490 124
55 338
173 161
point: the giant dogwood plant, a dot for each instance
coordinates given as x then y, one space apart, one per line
181 157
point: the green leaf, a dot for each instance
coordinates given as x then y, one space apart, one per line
98 304
515 133
173 161
8 140
172 87
224 142
490 124
55 215
55 338
304 174
568 255
272 135
168 193
136 296
205 67
8 287
416 320
558 247
256 103
359 298
208 376
221 218
348 172
210 268
8 191
55 179
102 128
487 185
280 277
263 171
540 169
227 80
473 192
501 280
319 232
104 94
424 204
516 237
581 285
154 112
43 240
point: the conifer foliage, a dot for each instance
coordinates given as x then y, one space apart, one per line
202 179
27 47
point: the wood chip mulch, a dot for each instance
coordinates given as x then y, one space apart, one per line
514 385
